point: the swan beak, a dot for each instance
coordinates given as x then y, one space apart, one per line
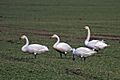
52 37
84 28
21 37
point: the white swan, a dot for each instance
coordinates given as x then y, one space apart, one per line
61 47
82 52
94 44
33 48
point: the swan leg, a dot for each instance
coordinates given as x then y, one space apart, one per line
84 58
81 58
73 57
35 55
60 55
65 55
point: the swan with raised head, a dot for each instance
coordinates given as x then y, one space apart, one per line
33 48
94 44
82 52
61 47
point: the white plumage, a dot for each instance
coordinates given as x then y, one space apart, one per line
94 44
33 48
61 47
83 52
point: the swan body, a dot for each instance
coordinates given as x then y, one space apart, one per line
83 52
33 48
94 44
61 47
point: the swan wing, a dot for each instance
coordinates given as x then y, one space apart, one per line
83 51
91 44
36 48
101 44
64 47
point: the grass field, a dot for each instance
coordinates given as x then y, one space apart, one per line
40 19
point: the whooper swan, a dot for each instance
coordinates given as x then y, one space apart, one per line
33 48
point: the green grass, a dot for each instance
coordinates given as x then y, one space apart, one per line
39 19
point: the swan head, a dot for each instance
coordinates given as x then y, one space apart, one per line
86 27
54 36
73 50
23 37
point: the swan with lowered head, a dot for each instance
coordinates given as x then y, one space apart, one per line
82 52
61 47
94 44
33 48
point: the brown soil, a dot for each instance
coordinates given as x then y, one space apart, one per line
44 32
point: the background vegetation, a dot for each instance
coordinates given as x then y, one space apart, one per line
40 19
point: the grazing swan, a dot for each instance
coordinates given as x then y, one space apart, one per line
94 44
61 47
82 52
33 48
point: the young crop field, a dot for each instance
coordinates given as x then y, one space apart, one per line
40 19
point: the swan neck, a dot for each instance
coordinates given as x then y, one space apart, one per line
27 43
88 36
58 40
